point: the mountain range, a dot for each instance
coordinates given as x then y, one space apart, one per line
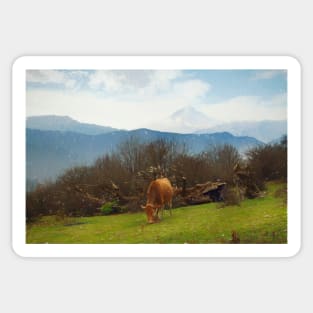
185 120
266 131
65 123
51 151
190 120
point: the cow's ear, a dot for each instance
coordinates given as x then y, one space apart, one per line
143 206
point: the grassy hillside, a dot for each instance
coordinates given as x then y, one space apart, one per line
262 220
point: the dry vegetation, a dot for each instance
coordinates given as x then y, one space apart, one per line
117 183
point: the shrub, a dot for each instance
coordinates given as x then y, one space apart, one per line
111 208
269 162
231 196
222 160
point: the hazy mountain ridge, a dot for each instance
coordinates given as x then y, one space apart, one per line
65 124
49 153
188 118
266 131
184 121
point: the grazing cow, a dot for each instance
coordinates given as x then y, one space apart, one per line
160 193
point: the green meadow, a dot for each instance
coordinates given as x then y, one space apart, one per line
260 220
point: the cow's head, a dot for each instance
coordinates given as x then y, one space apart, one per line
151 213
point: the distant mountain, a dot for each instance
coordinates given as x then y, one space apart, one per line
265 131
190 118
185 121
65 123
49 153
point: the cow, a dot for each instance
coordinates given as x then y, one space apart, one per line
159 194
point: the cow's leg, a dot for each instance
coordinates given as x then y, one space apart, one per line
162 210
170 206
156 214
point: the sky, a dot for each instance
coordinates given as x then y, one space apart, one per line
129 99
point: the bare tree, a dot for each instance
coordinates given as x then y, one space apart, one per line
130 152
222 160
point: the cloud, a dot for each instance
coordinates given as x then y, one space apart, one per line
277 100
162 80
129 85
67 79
131 110
268 74
252 108
140 82
107 80
153 111
138 98
192 89
119 98
111 111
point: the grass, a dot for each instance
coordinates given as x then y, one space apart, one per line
261 220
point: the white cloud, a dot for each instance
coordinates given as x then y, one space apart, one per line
141 82
192 89
142 98
248 108
152 111
50 77
278 100
162 80
110 111
122 99
107 80
131 85
269 74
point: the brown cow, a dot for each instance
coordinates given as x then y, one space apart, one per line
160 193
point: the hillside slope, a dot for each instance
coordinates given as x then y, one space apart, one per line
261 220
